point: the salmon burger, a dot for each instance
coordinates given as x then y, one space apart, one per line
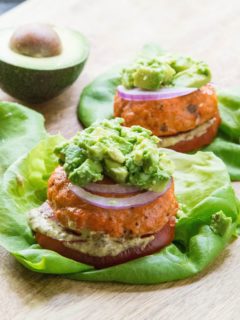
173 97
110 200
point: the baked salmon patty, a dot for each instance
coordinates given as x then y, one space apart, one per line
75 214
173 117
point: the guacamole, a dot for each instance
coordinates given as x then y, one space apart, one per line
165 70
126 155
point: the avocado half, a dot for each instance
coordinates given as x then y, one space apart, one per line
39 79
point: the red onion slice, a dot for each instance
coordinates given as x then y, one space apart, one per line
110 188
137 94
118 203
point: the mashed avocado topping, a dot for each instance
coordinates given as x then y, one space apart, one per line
165 70
126 155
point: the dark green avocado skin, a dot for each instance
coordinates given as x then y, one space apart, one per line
36 86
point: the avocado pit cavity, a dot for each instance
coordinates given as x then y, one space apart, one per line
36 40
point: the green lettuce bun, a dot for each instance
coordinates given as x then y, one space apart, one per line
207 220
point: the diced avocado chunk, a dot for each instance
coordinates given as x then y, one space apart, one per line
220 223
116 171
181 63
147 78
194 77
88 171
126 155
165 70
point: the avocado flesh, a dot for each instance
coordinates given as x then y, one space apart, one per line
36 80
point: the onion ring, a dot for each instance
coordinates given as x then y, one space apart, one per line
137 94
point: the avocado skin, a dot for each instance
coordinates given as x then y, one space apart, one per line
36 86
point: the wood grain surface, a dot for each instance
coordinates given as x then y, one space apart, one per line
209 30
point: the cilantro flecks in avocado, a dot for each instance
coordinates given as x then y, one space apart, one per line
165 70
127 155
38 61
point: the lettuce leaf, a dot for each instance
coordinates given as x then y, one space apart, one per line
227 144
206 223
203 188
96 103
20 129
169 264
229 101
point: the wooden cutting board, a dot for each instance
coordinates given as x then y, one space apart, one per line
209 30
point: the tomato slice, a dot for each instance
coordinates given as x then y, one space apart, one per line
198 142
161 239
